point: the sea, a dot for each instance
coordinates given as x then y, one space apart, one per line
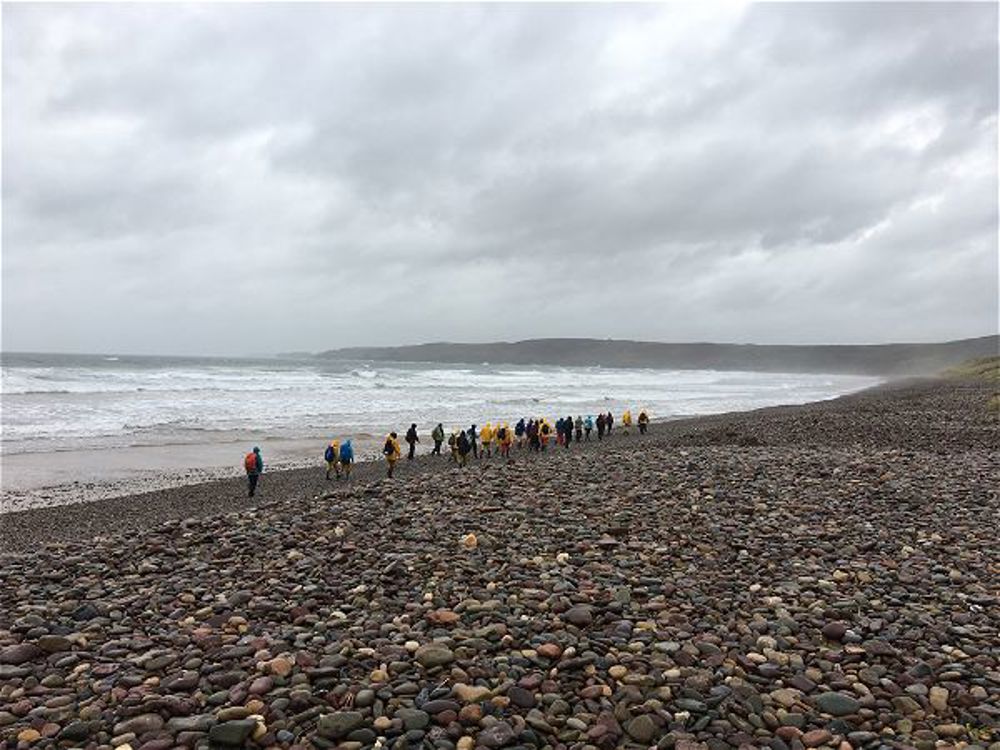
209 411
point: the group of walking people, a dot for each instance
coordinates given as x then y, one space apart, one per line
489 440
485 442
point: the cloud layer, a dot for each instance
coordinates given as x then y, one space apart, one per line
255 178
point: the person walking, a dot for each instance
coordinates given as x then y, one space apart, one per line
453 445
588 425
643 422
473 435
346 458
534 439
519 431
254 466
437 435
486 435
626 421
332 458
505 438
579 428
609 421
464 446
602 423
392 452
412 438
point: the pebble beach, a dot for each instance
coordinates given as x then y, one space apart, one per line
818 576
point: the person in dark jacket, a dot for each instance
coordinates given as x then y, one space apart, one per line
473 435
534 439
412 438
346 458
464 448
601 424
519 431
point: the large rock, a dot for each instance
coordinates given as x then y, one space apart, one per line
53 644
471 693
643 729
413 718
580 616
433 655
232 733
335 726
139 725
836 704
20 653
498 735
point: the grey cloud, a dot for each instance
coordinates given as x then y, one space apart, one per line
780 172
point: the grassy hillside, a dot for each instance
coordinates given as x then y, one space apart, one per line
981 368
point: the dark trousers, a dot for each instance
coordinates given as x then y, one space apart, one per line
252 483
475 450
413 447
437 448
642 428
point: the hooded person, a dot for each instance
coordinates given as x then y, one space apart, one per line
505 438
392 452
588 425
453 445
643 422
473 435
254 466
346 458
412 438
486 436
579 428
437 435
463 447
626 421
332 458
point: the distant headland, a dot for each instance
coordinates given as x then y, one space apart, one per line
889 360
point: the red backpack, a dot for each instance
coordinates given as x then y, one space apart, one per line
250 462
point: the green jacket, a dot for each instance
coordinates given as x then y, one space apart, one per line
438 433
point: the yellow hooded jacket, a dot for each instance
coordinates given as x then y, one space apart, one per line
396 451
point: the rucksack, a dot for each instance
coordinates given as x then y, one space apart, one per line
346 453
329 456
502 434
387 449
250 462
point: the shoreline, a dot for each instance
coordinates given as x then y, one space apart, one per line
137 470
103 515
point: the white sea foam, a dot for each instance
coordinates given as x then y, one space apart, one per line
54 403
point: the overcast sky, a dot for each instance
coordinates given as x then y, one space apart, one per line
259 178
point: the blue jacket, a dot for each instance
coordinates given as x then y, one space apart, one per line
346 452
